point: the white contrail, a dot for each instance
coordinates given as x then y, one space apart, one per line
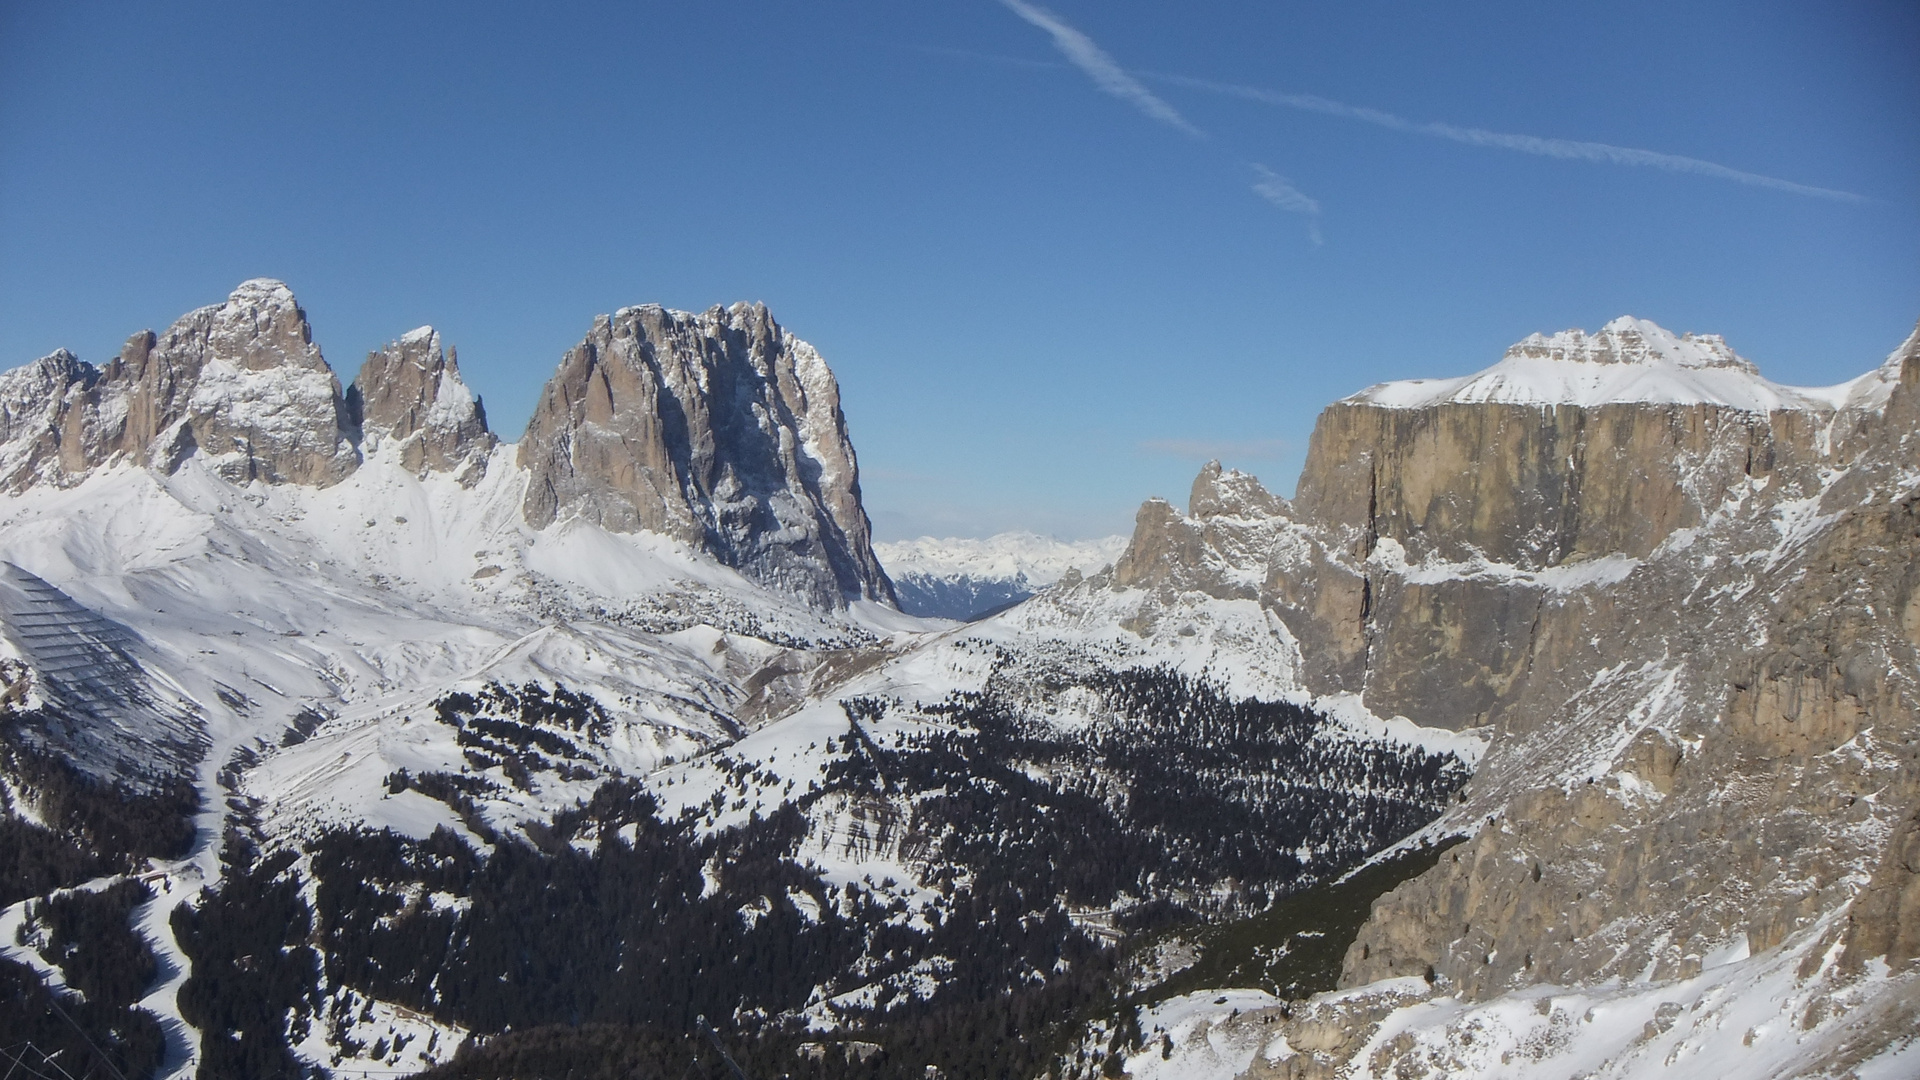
1566 149
1279 191
1109 76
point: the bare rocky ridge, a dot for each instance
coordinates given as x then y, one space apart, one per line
410 393
1688 628
718 429
240 382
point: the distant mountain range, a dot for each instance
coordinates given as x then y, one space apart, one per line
1563 720
964 579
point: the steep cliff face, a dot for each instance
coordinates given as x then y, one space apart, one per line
1725 765
719 429
1680 602
241 383
1462 508
410 394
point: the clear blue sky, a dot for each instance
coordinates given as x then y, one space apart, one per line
1030 243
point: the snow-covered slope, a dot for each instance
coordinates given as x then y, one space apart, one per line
1629 361
963 578
486 773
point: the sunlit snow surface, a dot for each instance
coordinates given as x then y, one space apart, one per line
1041 560
1628 361
1741 1018
362 604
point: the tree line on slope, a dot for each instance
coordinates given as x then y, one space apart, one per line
78 827
107 966
603 935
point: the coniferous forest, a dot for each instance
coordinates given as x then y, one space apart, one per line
593 945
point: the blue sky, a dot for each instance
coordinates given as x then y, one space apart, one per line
1059 256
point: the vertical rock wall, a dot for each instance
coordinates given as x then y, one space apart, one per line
718 429
410 394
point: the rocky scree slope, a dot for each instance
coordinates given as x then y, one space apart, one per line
1677 600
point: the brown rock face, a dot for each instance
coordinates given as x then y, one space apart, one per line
1232 523
410 394
718 429
240 382
1692 631
1462 520
1534 486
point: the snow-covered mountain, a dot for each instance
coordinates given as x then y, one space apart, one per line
963 578
1677 616
217 559
646 648
1554 729
1629 361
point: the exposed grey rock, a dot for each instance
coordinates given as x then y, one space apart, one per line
410 394
718 429
1693 634
241 383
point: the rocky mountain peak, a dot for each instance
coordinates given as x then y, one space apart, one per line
240 382
1627 340
260 327
719 429
1222 492
409 393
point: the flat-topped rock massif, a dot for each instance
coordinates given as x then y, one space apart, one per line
1571 447
1445 510
1679 600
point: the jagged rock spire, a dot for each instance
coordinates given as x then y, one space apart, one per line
409 393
